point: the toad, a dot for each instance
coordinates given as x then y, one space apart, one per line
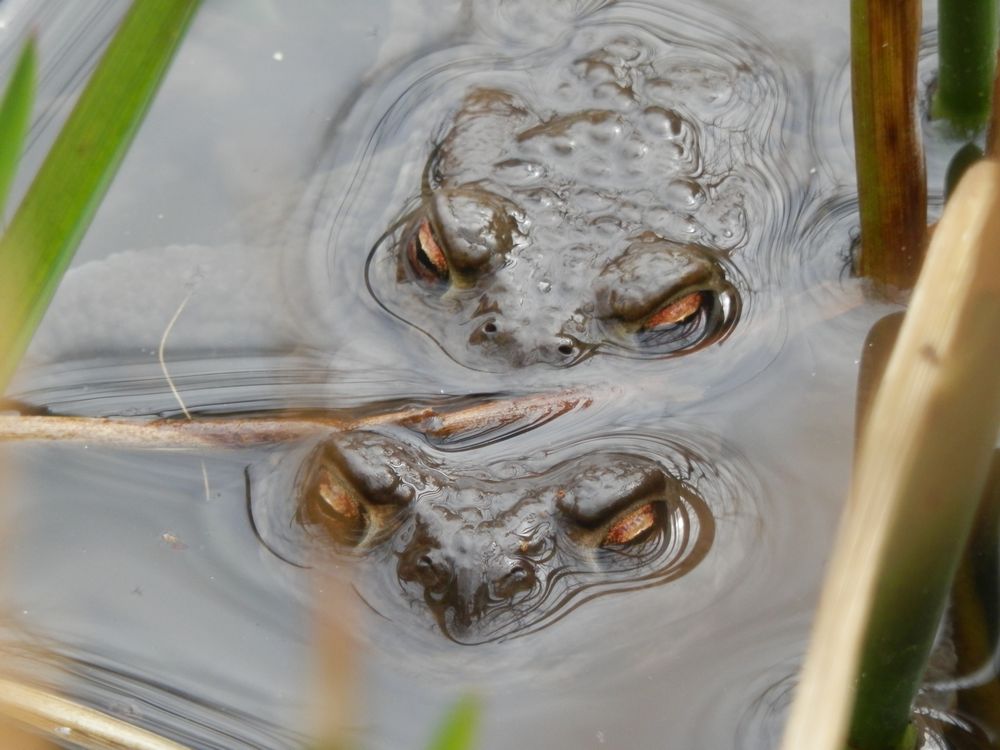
585 214
497 552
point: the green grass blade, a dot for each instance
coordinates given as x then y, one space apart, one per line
458 730
70 184
15 114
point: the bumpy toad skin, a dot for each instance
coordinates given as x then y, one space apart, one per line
551 229
494 552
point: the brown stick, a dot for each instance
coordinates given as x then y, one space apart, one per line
892 190
249 431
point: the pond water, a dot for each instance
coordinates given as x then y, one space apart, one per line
264 233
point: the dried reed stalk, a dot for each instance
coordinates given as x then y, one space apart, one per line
919 473
83 726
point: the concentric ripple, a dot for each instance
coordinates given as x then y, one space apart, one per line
488 549
522 178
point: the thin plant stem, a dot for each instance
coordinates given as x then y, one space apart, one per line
967 48
993 127
974 611
892 190
239 432
335 695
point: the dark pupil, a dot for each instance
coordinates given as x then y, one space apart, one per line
424 258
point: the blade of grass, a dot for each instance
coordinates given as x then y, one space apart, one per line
70 184
919 474
967 48
892 190
15 114
459 727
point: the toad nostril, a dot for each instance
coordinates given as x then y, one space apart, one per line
432 574
520 576
519 571
490 328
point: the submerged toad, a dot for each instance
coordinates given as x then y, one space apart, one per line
598 207
491 553
594 210
597 198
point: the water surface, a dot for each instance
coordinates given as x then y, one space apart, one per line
285 144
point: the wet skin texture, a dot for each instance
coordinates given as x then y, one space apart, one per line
499 551
590 206
547 234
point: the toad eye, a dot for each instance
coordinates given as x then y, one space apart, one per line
632 526
340 510
675 312
426 258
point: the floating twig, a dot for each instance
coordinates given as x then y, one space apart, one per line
242 432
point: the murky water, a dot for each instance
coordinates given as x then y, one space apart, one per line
266 209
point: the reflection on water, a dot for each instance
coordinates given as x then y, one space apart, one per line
698 491
496 548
